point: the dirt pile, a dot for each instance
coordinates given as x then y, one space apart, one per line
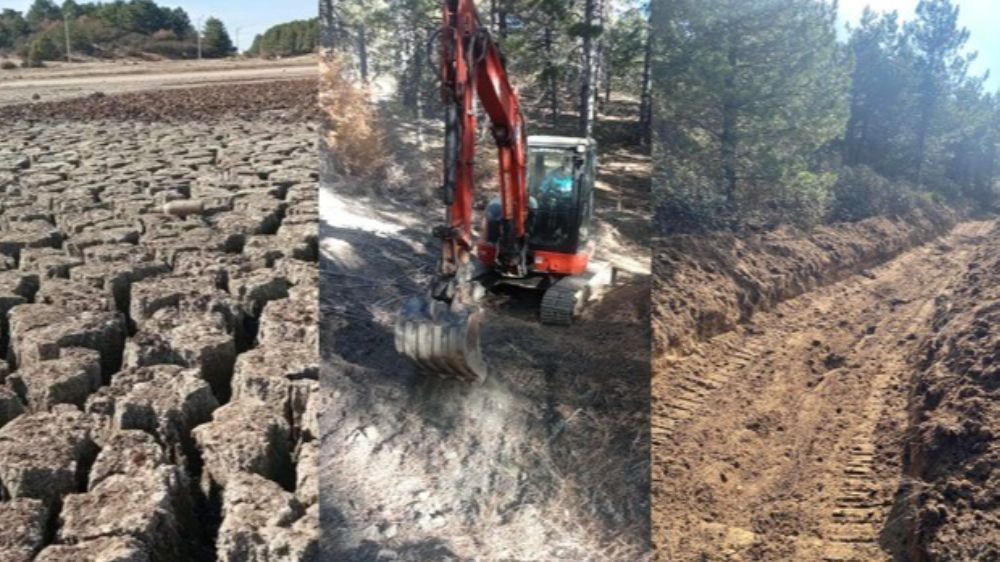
706 285
296 99
159 395
953 456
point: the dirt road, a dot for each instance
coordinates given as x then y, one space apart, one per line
71 81
784 440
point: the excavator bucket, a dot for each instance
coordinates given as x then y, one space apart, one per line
440 340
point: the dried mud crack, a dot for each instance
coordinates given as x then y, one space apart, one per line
786 438
158 399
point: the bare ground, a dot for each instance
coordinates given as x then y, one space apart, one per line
948 503
785 438
61 81
157 398
548 460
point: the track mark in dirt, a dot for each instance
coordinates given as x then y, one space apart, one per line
853 527
857 528
694 389
784 440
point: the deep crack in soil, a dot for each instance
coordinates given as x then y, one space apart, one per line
159 395
783 440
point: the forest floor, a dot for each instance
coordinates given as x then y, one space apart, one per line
60 80
547 460
157 398
792 436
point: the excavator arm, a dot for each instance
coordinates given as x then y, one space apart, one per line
440 332
471 65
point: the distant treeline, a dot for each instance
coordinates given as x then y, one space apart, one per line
766 116
108 29
297 37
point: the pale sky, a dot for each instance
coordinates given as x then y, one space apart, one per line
980 17
249 16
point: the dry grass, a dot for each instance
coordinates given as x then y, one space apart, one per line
352 132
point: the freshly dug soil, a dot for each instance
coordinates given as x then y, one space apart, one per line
783 366
952 503
706 285
296 98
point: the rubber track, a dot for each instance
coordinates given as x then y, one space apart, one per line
560 302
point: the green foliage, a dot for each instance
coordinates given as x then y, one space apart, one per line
215 40
627 43
860 193
12 27
805 199
297 37
749 94
540 39
42 11
759 104
916 114
42 49
101 28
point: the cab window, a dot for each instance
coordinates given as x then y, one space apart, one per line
553 198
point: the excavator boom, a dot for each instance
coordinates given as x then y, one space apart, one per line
440 332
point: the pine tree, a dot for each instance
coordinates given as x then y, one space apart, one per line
940 67
754 91
42 11
216 41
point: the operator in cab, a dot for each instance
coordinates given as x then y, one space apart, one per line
558 182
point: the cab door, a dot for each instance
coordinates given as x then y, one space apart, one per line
554 179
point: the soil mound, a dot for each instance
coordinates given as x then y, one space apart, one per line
204 103
953 457
705 285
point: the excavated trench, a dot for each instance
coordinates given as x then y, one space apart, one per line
782 416
159 395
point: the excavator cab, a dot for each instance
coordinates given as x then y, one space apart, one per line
560 174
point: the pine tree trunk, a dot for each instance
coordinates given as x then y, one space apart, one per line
328 24
607 85
603 76
407 61
363 52
589 70
502 18
729 134
923 128
646 103
418 78
552 88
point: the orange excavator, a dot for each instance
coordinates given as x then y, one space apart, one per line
535 234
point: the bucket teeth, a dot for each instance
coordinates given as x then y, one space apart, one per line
441 341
